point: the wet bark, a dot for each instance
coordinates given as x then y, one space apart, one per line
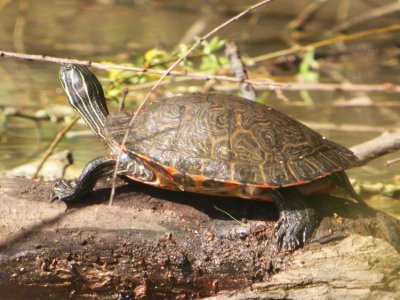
158 244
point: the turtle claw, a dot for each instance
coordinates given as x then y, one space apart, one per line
65 190
294 228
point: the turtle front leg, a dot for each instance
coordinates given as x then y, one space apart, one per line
70 190
297 220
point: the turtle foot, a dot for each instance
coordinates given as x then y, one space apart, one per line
65 190
295 227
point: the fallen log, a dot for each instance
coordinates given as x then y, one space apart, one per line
159 244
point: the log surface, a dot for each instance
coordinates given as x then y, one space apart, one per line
158 244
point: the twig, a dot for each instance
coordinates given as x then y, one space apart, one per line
201 76
229 215
343 10
238 67
326 87
345 127
199 26
149 84
53 145
20 23
9 111
365 102
294 86
122 103
177 62
194 76
392 161
330 41
304 16
386 143
370 15
3 4
280 95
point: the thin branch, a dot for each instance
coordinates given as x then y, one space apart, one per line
177 62
392 162
343 10
53 145
122 103
304 16
199 26
326 87
202 76
370 15
330 41
9 111
261 85
294 86
238 67
149 84
386 143
20 23
3 5
63 61
344 127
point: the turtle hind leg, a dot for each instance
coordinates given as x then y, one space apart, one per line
297 220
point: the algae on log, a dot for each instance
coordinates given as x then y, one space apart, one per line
160 244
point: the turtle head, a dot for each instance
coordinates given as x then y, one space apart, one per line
86 96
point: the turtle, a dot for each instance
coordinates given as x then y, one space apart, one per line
215 144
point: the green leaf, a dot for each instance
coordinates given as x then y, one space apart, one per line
155 56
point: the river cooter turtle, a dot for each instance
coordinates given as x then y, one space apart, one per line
211 144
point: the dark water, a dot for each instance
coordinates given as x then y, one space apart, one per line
100 32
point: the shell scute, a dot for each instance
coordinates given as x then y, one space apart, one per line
247 174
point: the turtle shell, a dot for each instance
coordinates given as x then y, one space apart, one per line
224 138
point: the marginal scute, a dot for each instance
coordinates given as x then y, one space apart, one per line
228 139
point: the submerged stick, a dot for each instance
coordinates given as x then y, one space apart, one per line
53 145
